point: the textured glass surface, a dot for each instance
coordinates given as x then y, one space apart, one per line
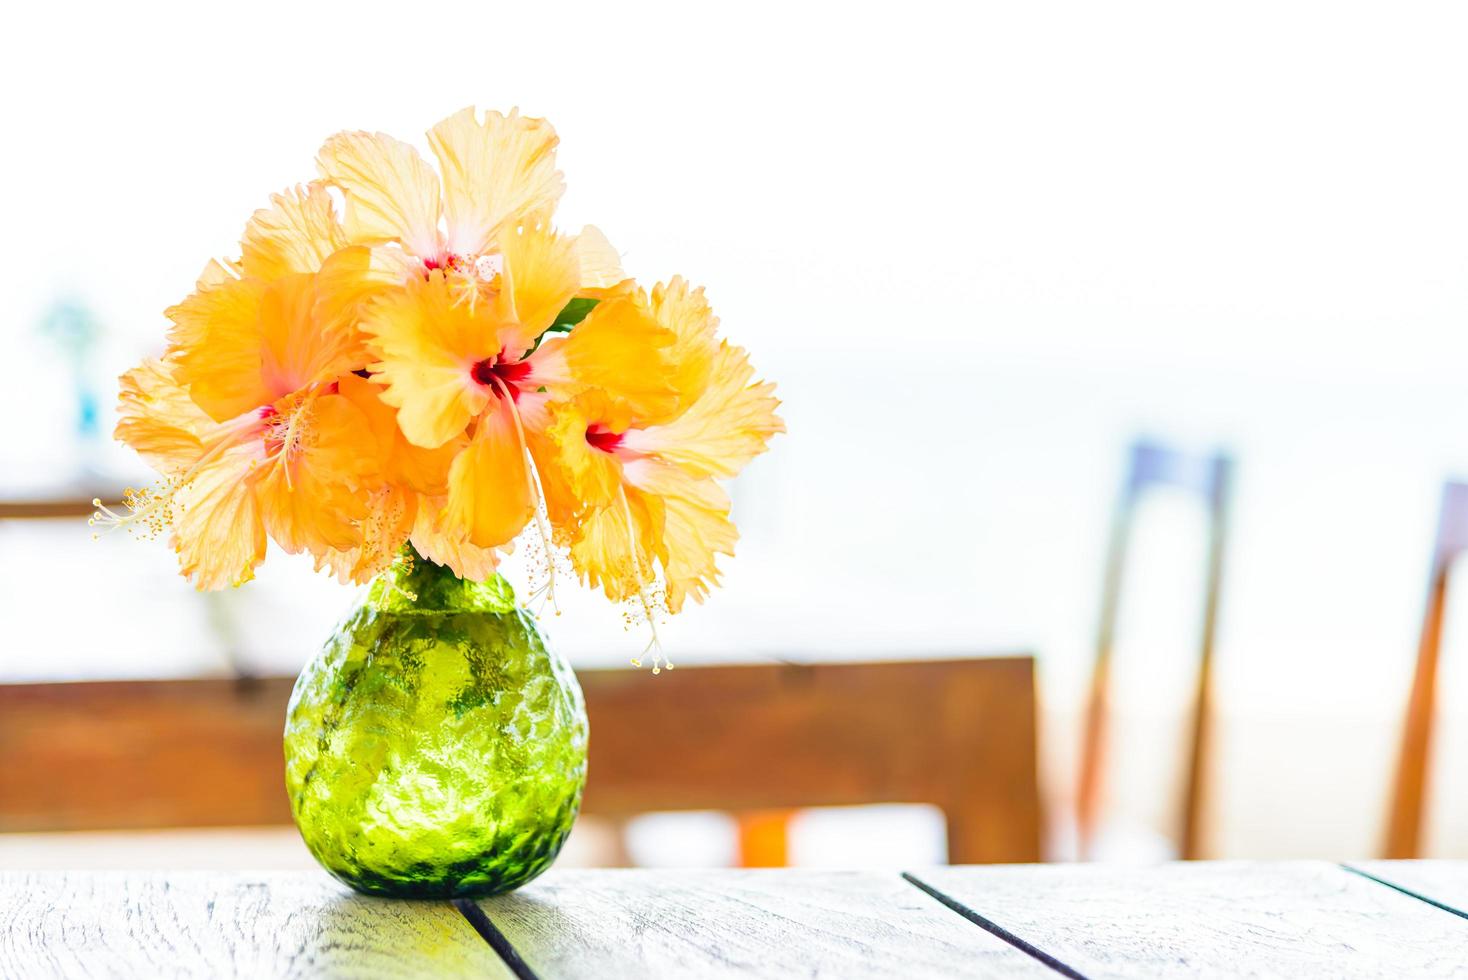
435 747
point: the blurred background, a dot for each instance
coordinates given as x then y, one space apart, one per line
985 251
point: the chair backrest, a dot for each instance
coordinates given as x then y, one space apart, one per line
1409 791
1211 477
959 734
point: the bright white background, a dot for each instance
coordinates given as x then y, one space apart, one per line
980 247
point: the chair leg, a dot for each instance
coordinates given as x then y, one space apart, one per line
1404 822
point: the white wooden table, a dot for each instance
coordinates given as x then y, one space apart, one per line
1305 919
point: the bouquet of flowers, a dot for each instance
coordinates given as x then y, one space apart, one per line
400 355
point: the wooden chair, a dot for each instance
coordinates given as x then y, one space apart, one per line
959 734
1152 465
1405 818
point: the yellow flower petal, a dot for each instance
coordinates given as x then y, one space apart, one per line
730 423
218 344
297 233
561 503
622 350
349 280
601 266
301 349
214 273
435 541
427 345
495 173
158 418
541 275
402 463
391 192
687 314
696 527
391 513
244 343
308 492
218 533
489 493
614 556
582 472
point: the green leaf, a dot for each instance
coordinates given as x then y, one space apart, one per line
573 314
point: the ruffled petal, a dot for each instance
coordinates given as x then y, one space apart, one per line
217 344
218 533
349 280
561 502
495 173
601 266
309 493
616 556
687 314
427 346
391 513
696 527
620 349
297 233
489 492
731 422
402 463
158 418
305 513
577 470
391 192
295 351
216 272
244 343
541 275
352 276
436 541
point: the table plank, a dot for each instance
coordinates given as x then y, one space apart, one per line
126 924
1224 919
1443 882
772 923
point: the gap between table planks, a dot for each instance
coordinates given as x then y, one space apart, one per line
766 923
1203 920
1374 919
1223 919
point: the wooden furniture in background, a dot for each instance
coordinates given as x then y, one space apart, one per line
67 502
764 838
958 734
1409 792
1286 919
1152 465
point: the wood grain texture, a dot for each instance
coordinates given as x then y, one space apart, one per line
125 924
787 923
959 734
118 755
1443 882
1226 919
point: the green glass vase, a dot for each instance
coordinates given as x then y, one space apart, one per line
435 747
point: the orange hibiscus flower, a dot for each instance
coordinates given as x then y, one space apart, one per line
647 514
245 418
440 366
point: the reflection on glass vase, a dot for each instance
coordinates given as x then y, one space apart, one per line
435 747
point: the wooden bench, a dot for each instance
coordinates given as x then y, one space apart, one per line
957 734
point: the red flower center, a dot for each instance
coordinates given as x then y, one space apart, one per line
509 374
603 439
